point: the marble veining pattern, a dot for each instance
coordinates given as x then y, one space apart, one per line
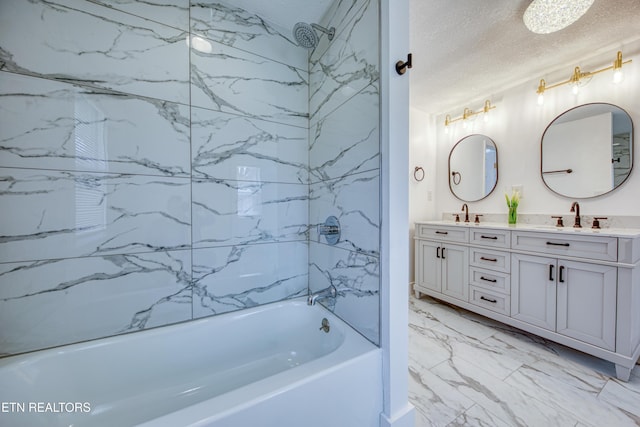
174 13
248 211
339 15
347 67
617 221
344 164
91 297
356 277
128 54
128 150
112 213
223 144
354 200
51 125
224 23
236 277
337 147
222 78
465 369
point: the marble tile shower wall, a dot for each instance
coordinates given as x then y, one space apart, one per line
344 163
153 166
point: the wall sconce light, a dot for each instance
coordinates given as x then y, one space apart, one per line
580 78
468 114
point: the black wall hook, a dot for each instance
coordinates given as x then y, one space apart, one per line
401 67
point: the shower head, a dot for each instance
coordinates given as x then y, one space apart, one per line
307 37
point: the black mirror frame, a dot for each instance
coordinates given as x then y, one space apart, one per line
631 156
457 174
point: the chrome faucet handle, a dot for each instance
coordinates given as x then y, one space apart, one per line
596 221
559 223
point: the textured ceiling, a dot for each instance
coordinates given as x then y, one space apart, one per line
465 50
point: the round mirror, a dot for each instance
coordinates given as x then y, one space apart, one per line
473 168
587 151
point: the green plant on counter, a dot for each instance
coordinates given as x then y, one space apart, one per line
512 204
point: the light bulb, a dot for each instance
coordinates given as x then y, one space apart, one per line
540 99
446 130
464 124
575 88
485 117
618 76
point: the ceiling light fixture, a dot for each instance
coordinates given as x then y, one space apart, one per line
548 16
580 78
468 114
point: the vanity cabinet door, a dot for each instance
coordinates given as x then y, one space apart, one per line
587 302
455 271
428 265
443 268
533 290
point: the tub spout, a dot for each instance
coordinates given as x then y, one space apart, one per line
330 292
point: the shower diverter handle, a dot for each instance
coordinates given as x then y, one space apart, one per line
330 230
327 230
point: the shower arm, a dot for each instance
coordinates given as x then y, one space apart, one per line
330 32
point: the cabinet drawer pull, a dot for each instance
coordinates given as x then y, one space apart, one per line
558 244
488 259
489 237
551 272
488 299
442 253
442 232
438 252
488 280
561 279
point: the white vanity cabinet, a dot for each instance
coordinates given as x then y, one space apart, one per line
489 269
575 299
579 288
443 264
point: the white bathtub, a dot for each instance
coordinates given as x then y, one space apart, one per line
266 366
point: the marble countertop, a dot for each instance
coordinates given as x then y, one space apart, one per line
612 232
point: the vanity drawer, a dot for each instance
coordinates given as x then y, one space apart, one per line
581 246
488 237
497 282
490 300
445 233
492 260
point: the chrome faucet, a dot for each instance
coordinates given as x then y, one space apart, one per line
465 209
575 207
330 292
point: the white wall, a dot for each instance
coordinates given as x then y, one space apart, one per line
394 242
422 153
516 125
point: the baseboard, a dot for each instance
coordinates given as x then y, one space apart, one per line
403 418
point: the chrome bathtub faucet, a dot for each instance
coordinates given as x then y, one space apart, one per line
330 292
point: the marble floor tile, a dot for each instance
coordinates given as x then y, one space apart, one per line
477 416
439 403
451 319
512 377
427 348
509 403
625 396
581 403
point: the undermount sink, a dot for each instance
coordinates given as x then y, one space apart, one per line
564 229
546 227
